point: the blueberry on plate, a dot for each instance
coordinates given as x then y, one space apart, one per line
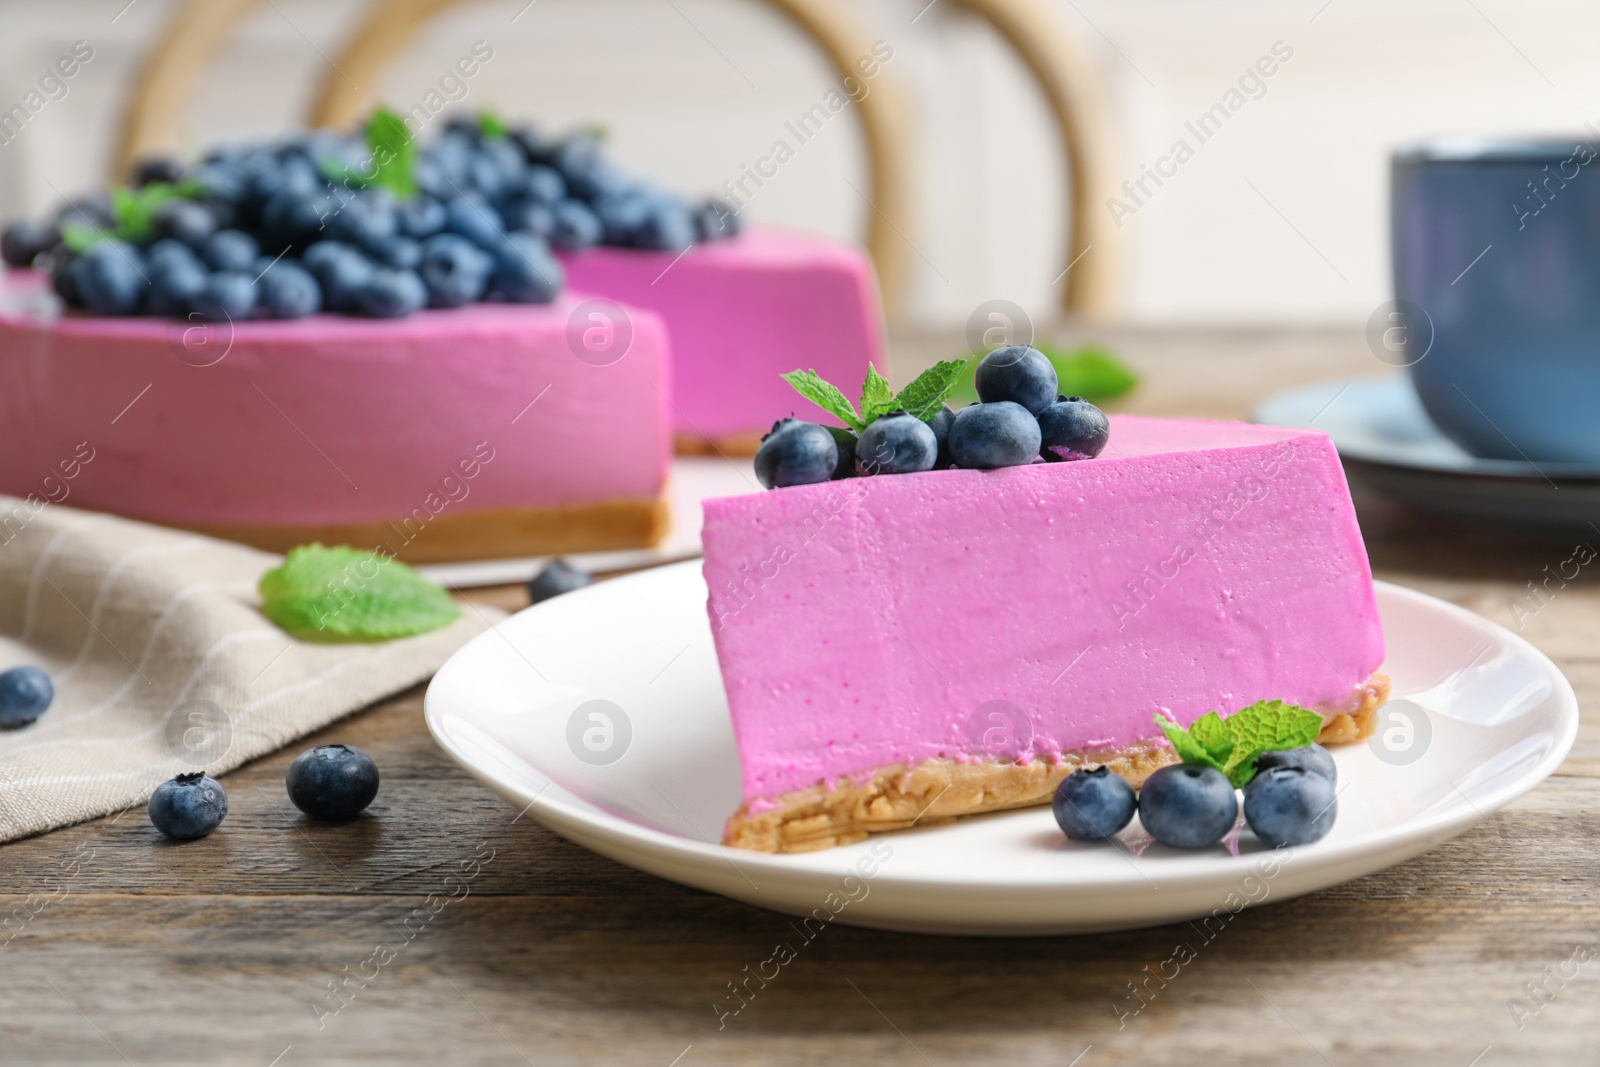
25 694
1313 758
288 291
188 807
557 577
1072 428
1019 373
231 250
175 282
796 453
455 270
999 434
575 226
1188 806
183 220
332 783
392 294
111 278
1092 805
525 272
1290 806
22 242
226 296
896 443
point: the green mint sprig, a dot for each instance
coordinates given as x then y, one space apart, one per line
491 127
345 594
1233 745
922 397
134 211
1091 372
393 158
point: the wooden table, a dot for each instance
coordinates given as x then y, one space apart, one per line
227 951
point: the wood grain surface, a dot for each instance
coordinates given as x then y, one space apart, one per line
475 936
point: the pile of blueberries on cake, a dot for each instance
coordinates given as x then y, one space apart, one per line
372 225
1019 420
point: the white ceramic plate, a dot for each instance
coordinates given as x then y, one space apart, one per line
1488 718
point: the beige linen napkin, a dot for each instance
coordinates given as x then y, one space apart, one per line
162 663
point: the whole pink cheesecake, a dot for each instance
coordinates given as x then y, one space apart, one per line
467 433
906 648
741 312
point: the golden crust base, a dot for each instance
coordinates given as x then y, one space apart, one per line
495 533
938 790
734 444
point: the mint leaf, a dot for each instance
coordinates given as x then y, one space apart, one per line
345 594
394 154
1189 750
1214 736
931 388
490 126
877 397
1267 726
812 386
79 237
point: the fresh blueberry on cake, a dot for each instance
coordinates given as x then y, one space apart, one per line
1072 428
1138 606
1287 805
796 453
1019 373
896 443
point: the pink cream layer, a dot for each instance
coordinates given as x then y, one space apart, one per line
1193 566
330 419
743 311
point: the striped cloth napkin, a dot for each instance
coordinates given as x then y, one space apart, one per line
162 663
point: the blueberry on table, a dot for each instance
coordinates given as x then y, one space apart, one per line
227 296
185 221
796 453
1290 806
231 250
111 278
25 694
332 783
557 577
1188 806
896 443
525 272
575 226
1313 758
22 242
1019 373
455 270
1000 434
188 807
1092 805
288 291
1072 428
392 294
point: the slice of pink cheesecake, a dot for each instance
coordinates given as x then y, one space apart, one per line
470 433
741 312
906 648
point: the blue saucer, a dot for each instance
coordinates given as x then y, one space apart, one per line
1389 444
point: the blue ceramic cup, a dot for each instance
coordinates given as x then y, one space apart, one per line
1497 279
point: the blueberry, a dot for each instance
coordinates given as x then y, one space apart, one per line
1092 805
111 278
557 577
475 220
296 219
535 148
24 241
940 424
392 294
845 442
175 281
231 250
896 443
1188 806
575 226
93 211
544 185
666 227
621 218
796 453
333 783
525 271
188 807
399 253
183 220
1290 806
1017 373
1001 434
455 270
157 169
226 296
25 694
220 182
367 219
420 217
288 291
523 215
169 250
1313 758
342 272
1072 428
715 221
64 277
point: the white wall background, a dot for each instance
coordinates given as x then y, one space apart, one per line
1280 217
